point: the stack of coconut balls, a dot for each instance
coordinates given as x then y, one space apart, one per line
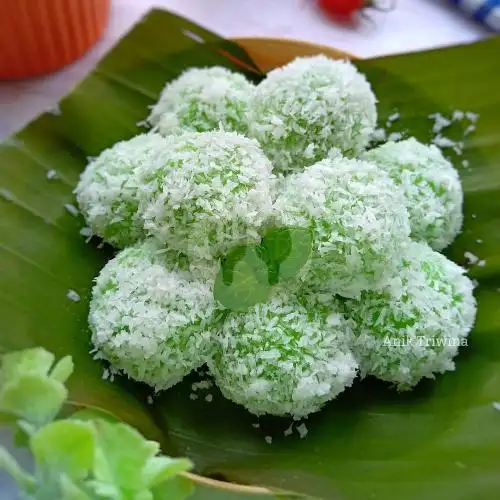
226 159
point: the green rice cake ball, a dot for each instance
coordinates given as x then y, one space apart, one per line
358 222
150 318
203 99
414 327
431 188
302 110
282 359
213 193
107 191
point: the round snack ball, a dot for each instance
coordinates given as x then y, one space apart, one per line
213 193
431 188
413 328
280 358
107 190
358 223
151 319
203 99
302 110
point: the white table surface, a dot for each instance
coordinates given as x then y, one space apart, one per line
412 25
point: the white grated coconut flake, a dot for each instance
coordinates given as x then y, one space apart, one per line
394 137
71 209
471 258
302 430
379 135
72 295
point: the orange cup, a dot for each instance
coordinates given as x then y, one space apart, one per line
40 36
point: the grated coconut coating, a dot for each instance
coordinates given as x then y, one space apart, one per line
431 187
413 328
107 190
149 318
203 99
282 359
358 221
302 110
214 192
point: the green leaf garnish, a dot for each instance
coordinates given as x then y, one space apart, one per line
242 280
287 250
248 272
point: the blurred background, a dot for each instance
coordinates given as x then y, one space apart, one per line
409 25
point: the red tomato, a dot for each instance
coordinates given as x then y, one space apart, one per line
342 9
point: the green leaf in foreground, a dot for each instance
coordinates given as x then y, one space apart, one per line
90 459
179 488
65 446
242 279
36 361
122 455
33 398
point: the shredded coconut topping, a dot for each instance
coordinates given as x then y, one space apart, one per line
430 185
212 193
280 358
72 295
107 191
413 328
203 99
302 110
358 219
151 319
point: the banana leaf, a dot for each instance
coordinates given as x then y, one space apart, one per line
441 441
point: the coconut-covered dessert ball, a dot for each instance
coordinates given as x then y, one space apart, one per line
211 194
302 110
282 359
151 319
431 187
413 328
203 99
107 191
358 222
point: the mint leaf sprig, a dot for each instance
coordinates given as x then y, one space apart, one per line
79 459
248 273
